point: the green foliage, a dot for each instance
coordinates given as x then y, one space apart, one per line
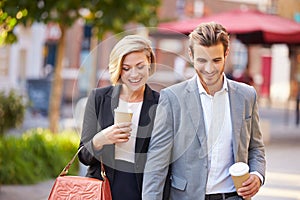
106 15
12 111
9 18
36 155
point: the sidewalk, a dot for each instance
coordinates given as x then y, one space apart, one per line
31 192
282 154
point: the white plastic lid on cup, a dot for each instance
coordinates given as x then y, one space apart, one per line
239 169
123 107
123 110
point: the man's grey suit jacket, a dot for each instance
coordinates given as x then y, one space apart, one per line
179 139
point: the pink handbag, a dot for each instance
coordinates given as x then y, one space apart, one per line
78 187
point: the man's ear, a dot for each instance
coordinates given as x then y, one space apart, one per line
190 51
227 52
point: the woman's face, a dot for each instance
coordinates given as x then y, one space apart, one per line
135 71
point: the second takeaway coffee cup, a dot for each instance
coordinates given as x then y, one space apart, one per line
239 173
122 116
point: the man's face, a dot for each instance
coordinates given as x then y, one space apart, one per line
209 64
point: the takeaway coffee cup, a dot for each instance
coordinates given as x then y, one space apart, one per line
122 115
239 173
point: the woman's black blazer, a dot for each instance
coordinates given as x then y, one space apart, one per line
99 114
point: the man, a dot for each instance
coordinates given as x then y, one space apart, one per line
203 126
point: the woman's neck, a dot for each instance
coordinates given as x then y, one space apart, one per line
132 96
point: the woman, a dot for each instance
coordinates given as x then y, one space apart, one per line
122 147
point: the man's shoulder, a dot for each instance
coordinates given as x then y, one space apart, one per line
242 88
179 87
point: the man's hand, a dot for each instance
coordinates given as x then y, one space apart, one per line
250 187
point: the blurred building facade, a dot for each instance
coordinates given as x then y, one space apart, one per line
33 57
275 69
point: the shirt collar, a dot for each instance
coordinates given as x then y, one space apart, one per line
202 90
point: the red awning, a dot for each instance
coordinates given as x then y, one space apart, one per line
248 24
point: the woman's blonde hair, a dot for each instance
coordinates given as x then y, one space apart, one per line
129 44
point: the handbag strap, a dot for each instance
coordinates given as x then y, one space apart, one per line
67 167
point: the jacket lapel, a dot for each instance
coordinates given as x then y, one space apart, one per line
145 125
144 133
110 102
115 98
237 103
193 103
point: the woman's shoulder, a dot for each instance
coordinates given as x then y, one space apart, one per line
102 91
153 93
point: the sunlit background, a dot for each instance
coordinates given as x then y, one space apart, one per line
52 62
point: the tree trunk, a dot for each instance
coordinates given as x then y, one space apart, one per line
94 43
57 85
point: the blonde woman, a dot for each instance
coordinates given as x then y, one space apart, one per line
122 147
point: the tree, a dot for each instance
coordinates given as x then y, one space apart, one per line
105 15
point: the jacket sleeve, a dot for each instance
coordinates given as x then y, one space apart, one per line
90 127
159 152
256 157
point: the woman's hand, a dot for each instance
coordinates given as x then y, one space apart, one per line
117 133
